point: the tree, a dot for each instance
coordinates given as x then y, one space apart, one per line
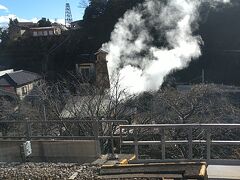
83 4
95 9
72 99
13 22
4 36
203 103
44 23
8 111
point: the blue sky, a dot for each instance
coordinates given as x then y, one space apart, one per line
33 10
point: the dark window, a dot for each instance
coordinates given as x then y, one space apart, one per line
85 73
24 91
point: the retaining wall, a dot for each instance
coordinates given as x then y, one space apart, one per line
80 151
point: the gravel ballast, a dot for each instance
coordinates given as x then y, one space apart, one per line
46 171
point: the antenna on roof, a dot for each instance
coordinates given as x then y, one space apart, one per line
68 15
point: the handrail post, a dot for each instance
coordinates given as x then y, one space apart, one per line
28 129
135 143
112 143
96 129
190 143
163 144
208 144
120 143
96 136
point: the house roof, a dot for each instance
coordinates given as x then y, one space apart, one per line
43 28
86 58
90 57
27 24
62 27
78 21
4 82
101 50
6 71
85 106
18 78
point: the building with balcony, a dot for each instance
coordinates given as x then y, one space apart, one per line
45 31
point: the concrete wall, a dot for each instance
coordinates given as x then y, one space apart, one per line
80 151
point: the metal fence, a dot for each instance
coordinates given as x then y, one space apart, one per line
129 135
26 130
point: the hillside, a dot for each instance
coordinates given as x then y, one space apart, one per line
219 29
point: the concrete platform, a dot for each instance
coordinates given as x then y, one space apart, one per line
223 172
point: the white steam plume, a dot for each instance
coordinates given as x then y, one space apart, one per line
134 54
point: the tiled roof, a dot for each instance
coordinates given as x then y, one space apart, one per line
43 28
78 21
101 50
23 77
90 57
27 24
19 78
86 58
4 82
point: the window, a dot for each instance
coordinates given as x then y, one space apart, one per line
35 33
45 33
85 72
40 33
50 32
24 91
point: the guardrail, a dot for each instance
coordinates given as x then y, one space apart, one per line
135 130
95 126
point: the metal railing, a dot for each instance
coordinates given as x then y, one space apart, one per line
134 131
95 129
